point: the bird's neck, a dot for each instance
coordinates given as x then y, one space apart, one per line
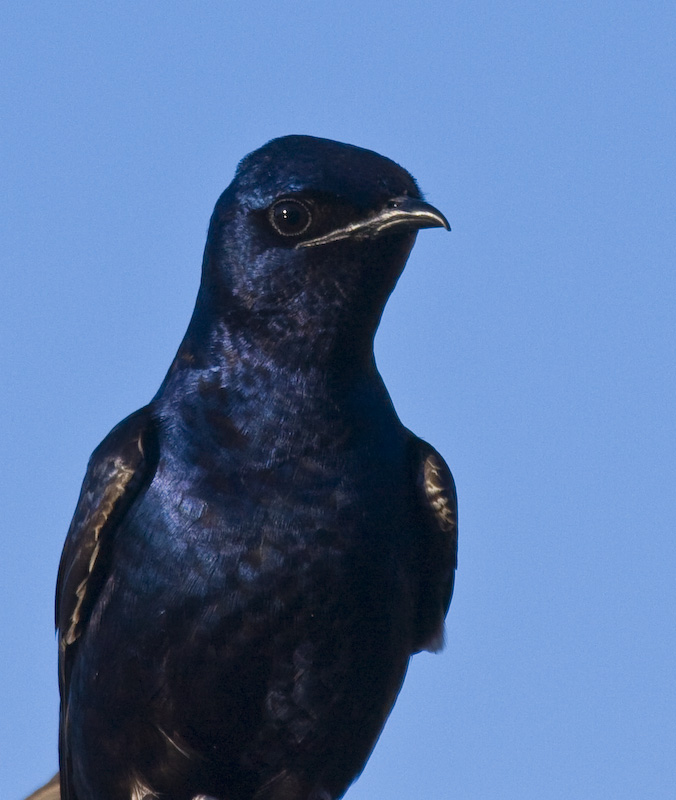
289 340
239 392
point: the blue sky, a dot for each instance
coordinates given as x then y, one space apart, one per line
534 346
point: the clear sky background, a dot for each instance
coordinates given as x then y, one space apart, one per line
534 346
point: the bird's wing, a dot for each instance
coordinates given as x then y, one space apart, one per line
118 469
437 553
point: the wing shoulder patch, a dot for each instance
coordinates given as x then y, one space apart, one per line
120 475
440 491
437 549
117 470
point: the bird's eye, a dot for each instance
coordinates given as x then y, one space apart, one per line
290 217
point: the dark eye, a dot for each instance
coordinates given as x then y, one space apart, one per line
290 217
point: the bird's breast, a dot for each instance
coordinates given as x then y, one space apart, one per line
239 520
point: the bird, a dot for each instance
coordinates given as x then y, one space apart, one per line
49 791
257 553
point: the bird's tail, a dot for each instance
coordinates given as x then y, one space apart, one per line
50 791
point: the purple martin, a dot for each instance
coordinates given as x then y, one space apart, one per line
256 554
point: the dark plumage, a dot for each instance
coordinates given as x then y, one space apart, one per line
256 553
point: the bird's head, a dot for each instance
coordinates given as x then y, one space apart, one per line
307 243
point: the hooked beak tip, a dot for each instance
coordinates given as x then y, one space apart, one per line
417 214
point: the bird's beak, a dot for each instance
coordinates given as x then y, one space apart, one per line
399 212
